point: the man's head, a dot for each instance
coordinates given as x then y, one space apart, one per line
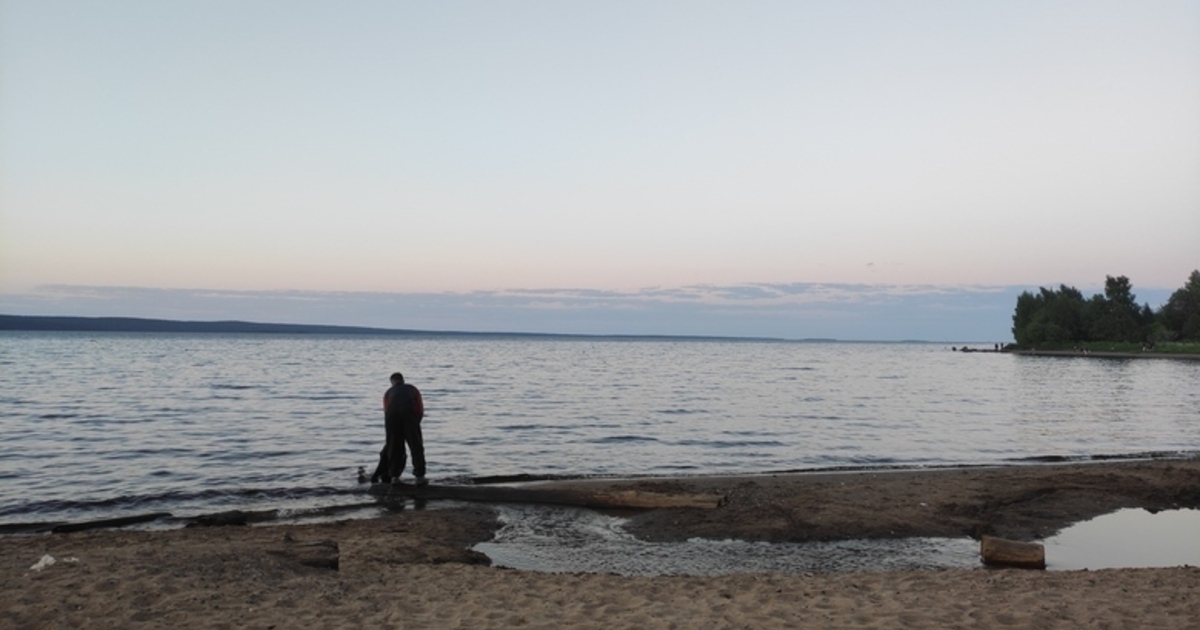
397 378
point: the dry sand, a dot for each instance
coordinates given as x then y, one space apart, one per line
413 569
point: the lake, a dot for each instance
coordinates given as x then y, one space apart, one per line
97 425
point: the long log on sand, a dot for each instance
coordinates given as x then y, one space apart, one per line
614 499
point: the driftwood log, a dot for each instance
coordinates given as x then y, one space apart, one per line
108 522
1012 553
231 517
614 499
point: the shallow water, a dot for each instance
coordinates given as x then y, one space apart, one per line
569 540
103 425
1128 538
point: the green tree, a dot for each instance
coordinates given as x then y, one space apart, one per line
1180 316
1028 306
1050 316
1115 316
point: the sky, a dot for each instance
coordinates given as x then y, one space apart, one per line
849 169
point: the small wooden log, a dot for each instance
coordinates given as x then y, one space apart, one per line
231 517
1012 553
109 522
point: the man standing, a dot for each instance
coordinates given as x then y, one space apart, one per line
403 410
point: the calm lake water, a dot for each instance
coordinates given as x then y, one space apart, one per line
103 425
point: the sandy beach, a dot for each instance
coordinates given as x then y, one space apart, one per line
414 568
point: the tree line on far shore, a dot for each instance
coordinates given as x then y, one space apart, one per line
1062 317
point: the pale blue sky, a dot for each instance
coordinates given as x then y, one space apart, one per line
455 152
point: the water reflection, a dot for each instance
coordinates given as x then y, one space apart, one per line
1128 538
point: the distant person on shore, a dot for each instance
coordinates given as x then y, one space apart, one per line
403 410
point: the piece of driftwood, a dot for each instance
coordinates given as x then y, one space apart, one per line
109 522
1012 553
29 528
231 517
614 499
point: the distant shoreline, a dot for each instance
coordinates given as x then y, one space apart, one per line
35 323
137 324
56 323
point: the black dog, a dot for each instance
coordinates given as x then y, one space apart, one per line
382 474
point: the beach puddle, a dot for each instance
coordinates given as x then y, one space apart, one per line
570 540
1130 538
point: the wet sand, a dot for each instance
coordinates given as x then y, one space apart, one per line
414 568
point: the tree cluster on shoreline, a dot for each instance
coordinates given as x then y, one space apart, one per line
1061 317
